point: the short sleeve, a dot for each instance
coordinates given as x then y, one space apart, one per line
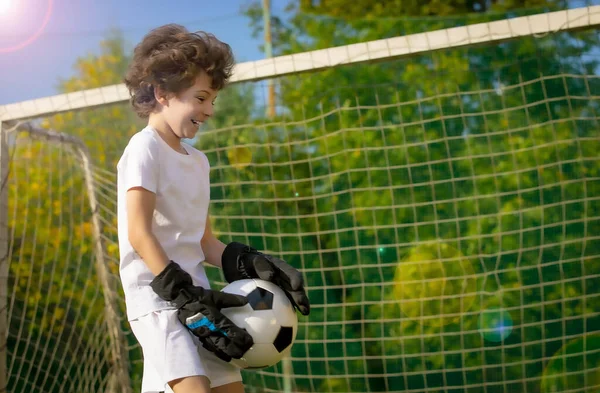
138 166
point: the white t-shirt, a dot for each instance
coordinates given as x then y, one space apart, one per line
182 187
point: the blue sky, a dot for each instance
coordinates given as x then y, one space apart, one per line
76 27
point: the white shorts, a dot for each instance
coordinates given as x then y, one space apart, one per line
171 352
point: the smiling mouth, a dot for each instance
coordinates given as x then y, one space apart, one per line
196 122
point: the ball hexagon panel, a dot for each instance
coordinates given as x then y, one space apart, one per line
262 326
240 287
286 313
238 315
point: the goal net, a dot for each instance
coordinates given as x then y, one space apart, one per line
440 191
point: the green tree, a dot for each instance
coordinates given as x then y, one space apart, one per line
57 298
477 149
57 321
413 8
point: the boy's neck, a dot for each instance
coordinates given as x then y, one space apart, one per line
165 132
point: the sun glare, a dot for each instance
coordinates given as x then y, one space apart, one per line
5 6
32 28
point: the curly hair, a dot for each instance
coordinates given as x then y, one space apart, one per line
170 58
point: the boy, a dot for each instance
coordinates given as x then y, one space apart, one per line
164 228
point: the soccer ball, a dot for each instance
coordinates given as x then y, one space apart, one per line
270 319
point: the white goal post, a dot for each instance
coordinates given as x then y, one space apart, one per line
25 118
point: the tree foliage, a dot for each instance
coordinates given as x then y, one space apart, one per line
481 150
415 8
423 198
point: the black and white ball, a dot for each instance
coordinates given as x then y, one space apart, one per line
270 319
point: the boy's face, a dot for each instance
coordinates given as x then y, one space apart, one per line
186 111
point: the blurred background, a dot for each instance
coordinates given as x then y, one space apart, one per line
432 167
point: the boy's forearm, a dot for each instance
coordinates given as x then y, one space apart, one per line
152 253
213 250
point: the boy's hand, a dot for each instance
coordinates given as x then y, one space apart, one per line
241 261
200 310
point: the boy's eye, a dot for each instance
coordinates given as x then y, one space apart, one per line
202 99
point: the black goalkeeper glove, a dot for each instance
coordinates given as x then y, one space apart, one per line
199 310
241 261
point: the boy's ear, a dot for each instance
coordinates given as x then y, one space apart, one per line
161 96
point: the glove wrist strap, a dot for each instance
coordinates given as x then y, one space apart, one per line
233 263
183 297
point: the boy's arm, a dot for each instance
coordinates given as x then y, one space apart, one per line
213 248
140 210
198 308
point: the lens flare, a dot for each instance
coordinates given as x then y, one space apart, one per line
495 324
6 5
574 366
32 37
